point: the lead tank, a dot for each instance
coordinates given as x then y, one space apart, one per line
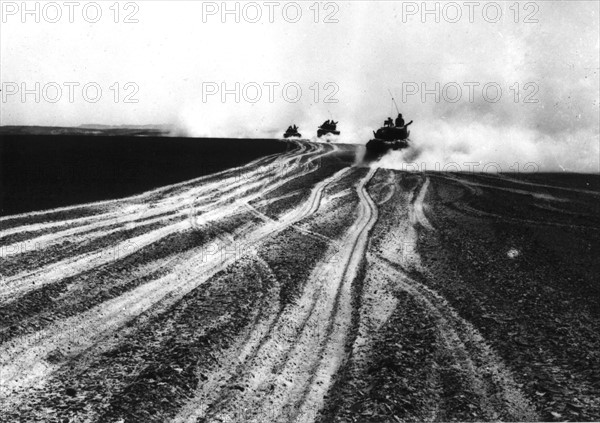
391 136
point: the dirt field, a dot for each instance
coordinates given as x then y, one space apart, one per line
303 287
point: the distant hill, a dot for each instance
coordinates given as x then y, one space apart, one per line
89 129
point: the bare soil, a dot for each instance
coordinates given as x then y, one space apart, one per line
305 287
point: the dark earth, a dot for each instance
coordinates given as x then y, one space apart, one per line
303 286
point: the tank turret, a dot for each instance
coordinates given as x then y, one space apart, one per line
328 127
292 132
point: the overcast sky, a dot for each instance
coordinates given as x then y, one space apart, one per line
544 56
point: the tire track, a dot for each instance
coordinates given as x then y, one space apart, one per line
124 207
321 379
483 370
204 398
305 348
418 215
24 361
301 148
244 192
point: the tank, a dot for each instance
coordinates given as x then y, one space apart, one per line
393 135
292 132
328 127
388 137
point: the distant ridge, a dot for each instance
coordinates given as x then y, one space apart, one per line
89 129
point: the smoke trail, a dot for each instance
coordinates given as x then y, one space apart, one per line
480 147
550 125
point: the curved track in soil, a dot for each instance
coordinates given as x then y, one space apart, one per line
302 287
